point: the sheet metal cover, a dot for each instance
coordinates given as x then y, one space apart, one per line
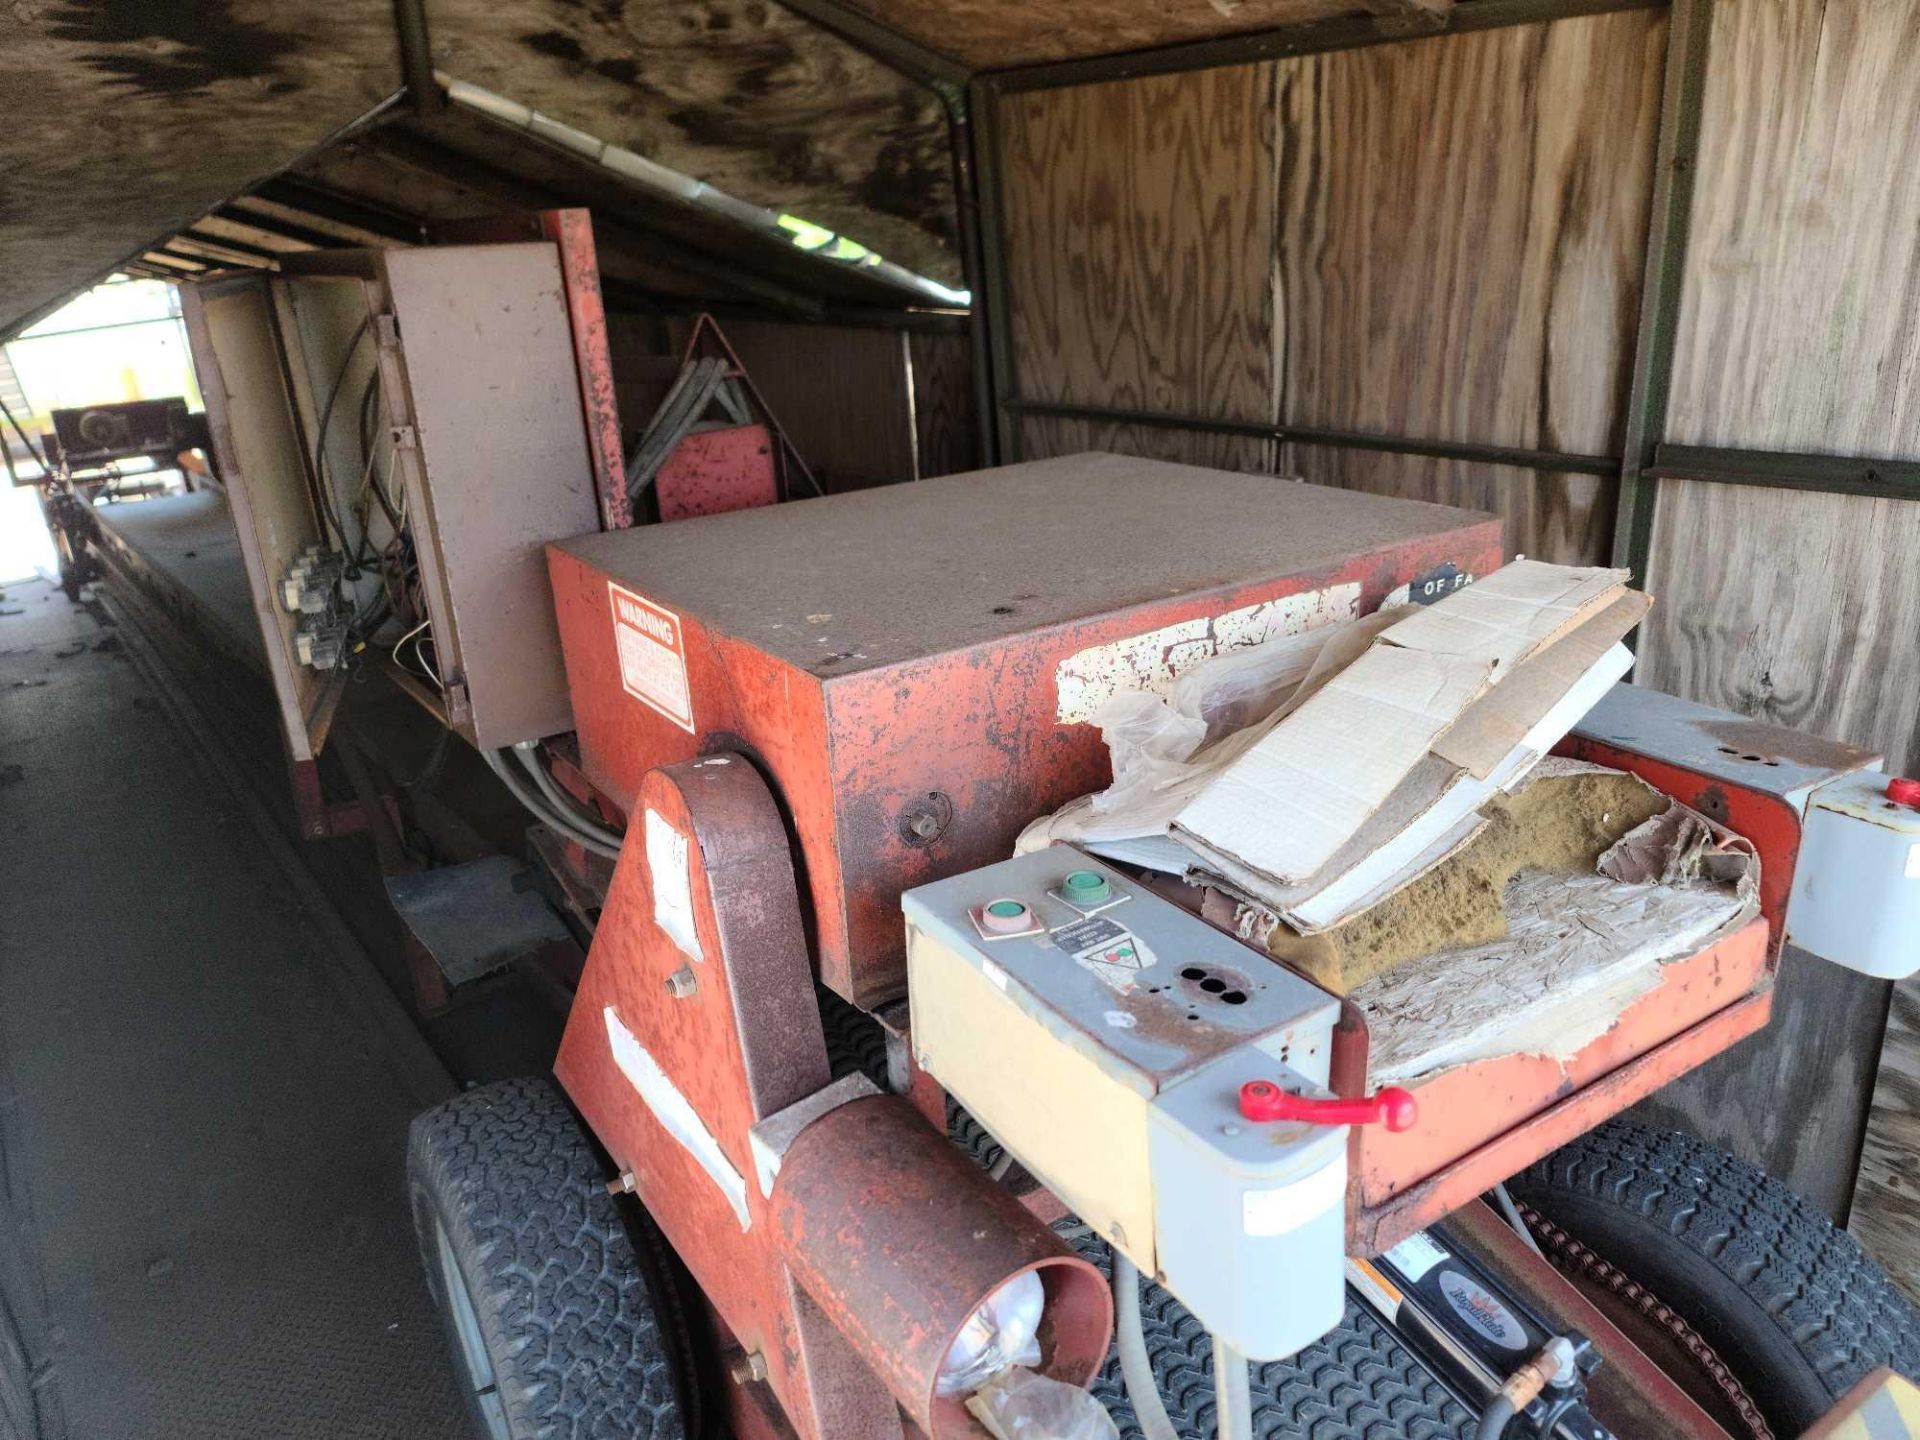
869 579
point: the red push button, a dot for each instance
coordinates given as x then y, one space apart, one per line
1904 792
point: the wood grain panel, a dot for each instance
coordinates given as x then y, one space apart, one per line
1463 226
840 393
1802 609
1139 223
1886 1206
1046 436
1798 319
1790 1099
946 429
1565 519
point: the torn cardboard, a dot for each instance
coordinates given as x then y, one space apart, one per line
1285 808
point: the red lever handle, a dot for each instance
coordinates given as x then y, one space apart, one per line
1393 1108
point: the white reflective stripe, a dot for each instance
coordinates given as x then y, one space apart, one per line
675 1113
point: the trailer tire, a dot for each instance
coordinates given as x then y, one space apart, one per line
1792 1305
562 1326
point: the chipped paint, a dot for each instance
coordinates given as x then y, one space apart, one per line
1085 681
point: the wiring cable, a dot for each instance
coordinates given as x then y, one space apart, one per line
563 803
1136 1368
515 782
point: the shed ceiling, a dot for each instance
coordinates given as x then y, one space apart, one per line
141 116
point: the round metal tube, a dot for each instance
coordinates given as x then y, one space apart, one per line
1136 1369
1232 1393
899 1238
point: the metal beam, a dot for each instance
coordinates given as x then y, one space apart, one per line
297 194
236 214
941 74
511 192
1555 461
1784 470
416 56
238 247
1000 379
1665 267
1312 38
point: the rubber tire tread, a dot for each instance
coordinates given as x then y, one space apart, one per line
1358 1382
1793 1304
583 1337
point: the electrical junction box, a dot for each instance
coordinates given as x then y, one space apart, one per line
1102 1034
1856 880
915 667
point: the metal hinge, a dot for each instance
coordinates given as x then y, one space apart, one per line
459 704
386 331
404 438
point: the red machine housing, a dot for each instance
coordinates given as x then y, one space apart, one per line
912 666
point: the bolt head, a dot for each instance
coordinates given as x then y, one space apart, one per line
682 983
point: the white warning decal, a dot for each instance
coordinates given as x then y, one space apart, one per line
653 656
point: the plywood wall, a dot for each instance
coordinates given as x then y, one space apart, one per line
1140 241
1800 331
1437 240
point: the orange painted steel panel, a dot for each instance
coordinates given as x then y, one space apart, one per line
1469 1106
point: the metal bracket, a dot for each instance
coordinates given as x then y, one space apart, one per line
386 331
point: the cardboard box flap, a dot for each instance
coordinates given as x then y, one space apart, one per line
1500 719
1512 614
1288 804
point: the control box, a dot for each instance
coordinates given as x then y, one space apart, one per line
1103 1035
1856 881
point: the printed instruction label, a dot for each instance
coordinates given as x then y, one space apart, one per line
1414 1256
672 883
653 655
1111 953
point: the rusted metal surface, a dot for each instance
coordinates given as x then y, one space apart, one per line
1667 1341
713 472
899 1238
747 1044
1474 1110
1374 1228
1629 1394
895 652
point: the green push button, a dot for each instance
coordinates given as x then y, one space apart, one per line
1006 917
1086 887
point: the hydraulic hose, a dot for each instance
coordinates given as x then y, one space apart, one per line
1494 1419
1136 1370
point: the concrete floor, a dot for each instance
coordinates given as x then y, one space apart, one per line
210 1104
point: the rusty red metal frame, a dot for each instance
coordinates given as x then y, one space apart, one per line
677 1048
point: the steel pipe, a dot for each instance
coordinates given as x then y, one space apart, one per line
900 1238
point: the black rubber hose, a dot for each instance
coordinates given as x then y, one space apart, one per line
1494 1419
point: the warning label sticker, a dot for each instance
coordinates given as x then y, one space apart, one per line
1109 952
653 656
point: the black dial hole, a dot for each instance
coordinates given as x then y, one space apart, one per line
1235 997
1213 985
1193 972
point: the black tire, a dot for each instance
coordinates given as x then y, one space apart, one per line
561 1328
1793 1306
